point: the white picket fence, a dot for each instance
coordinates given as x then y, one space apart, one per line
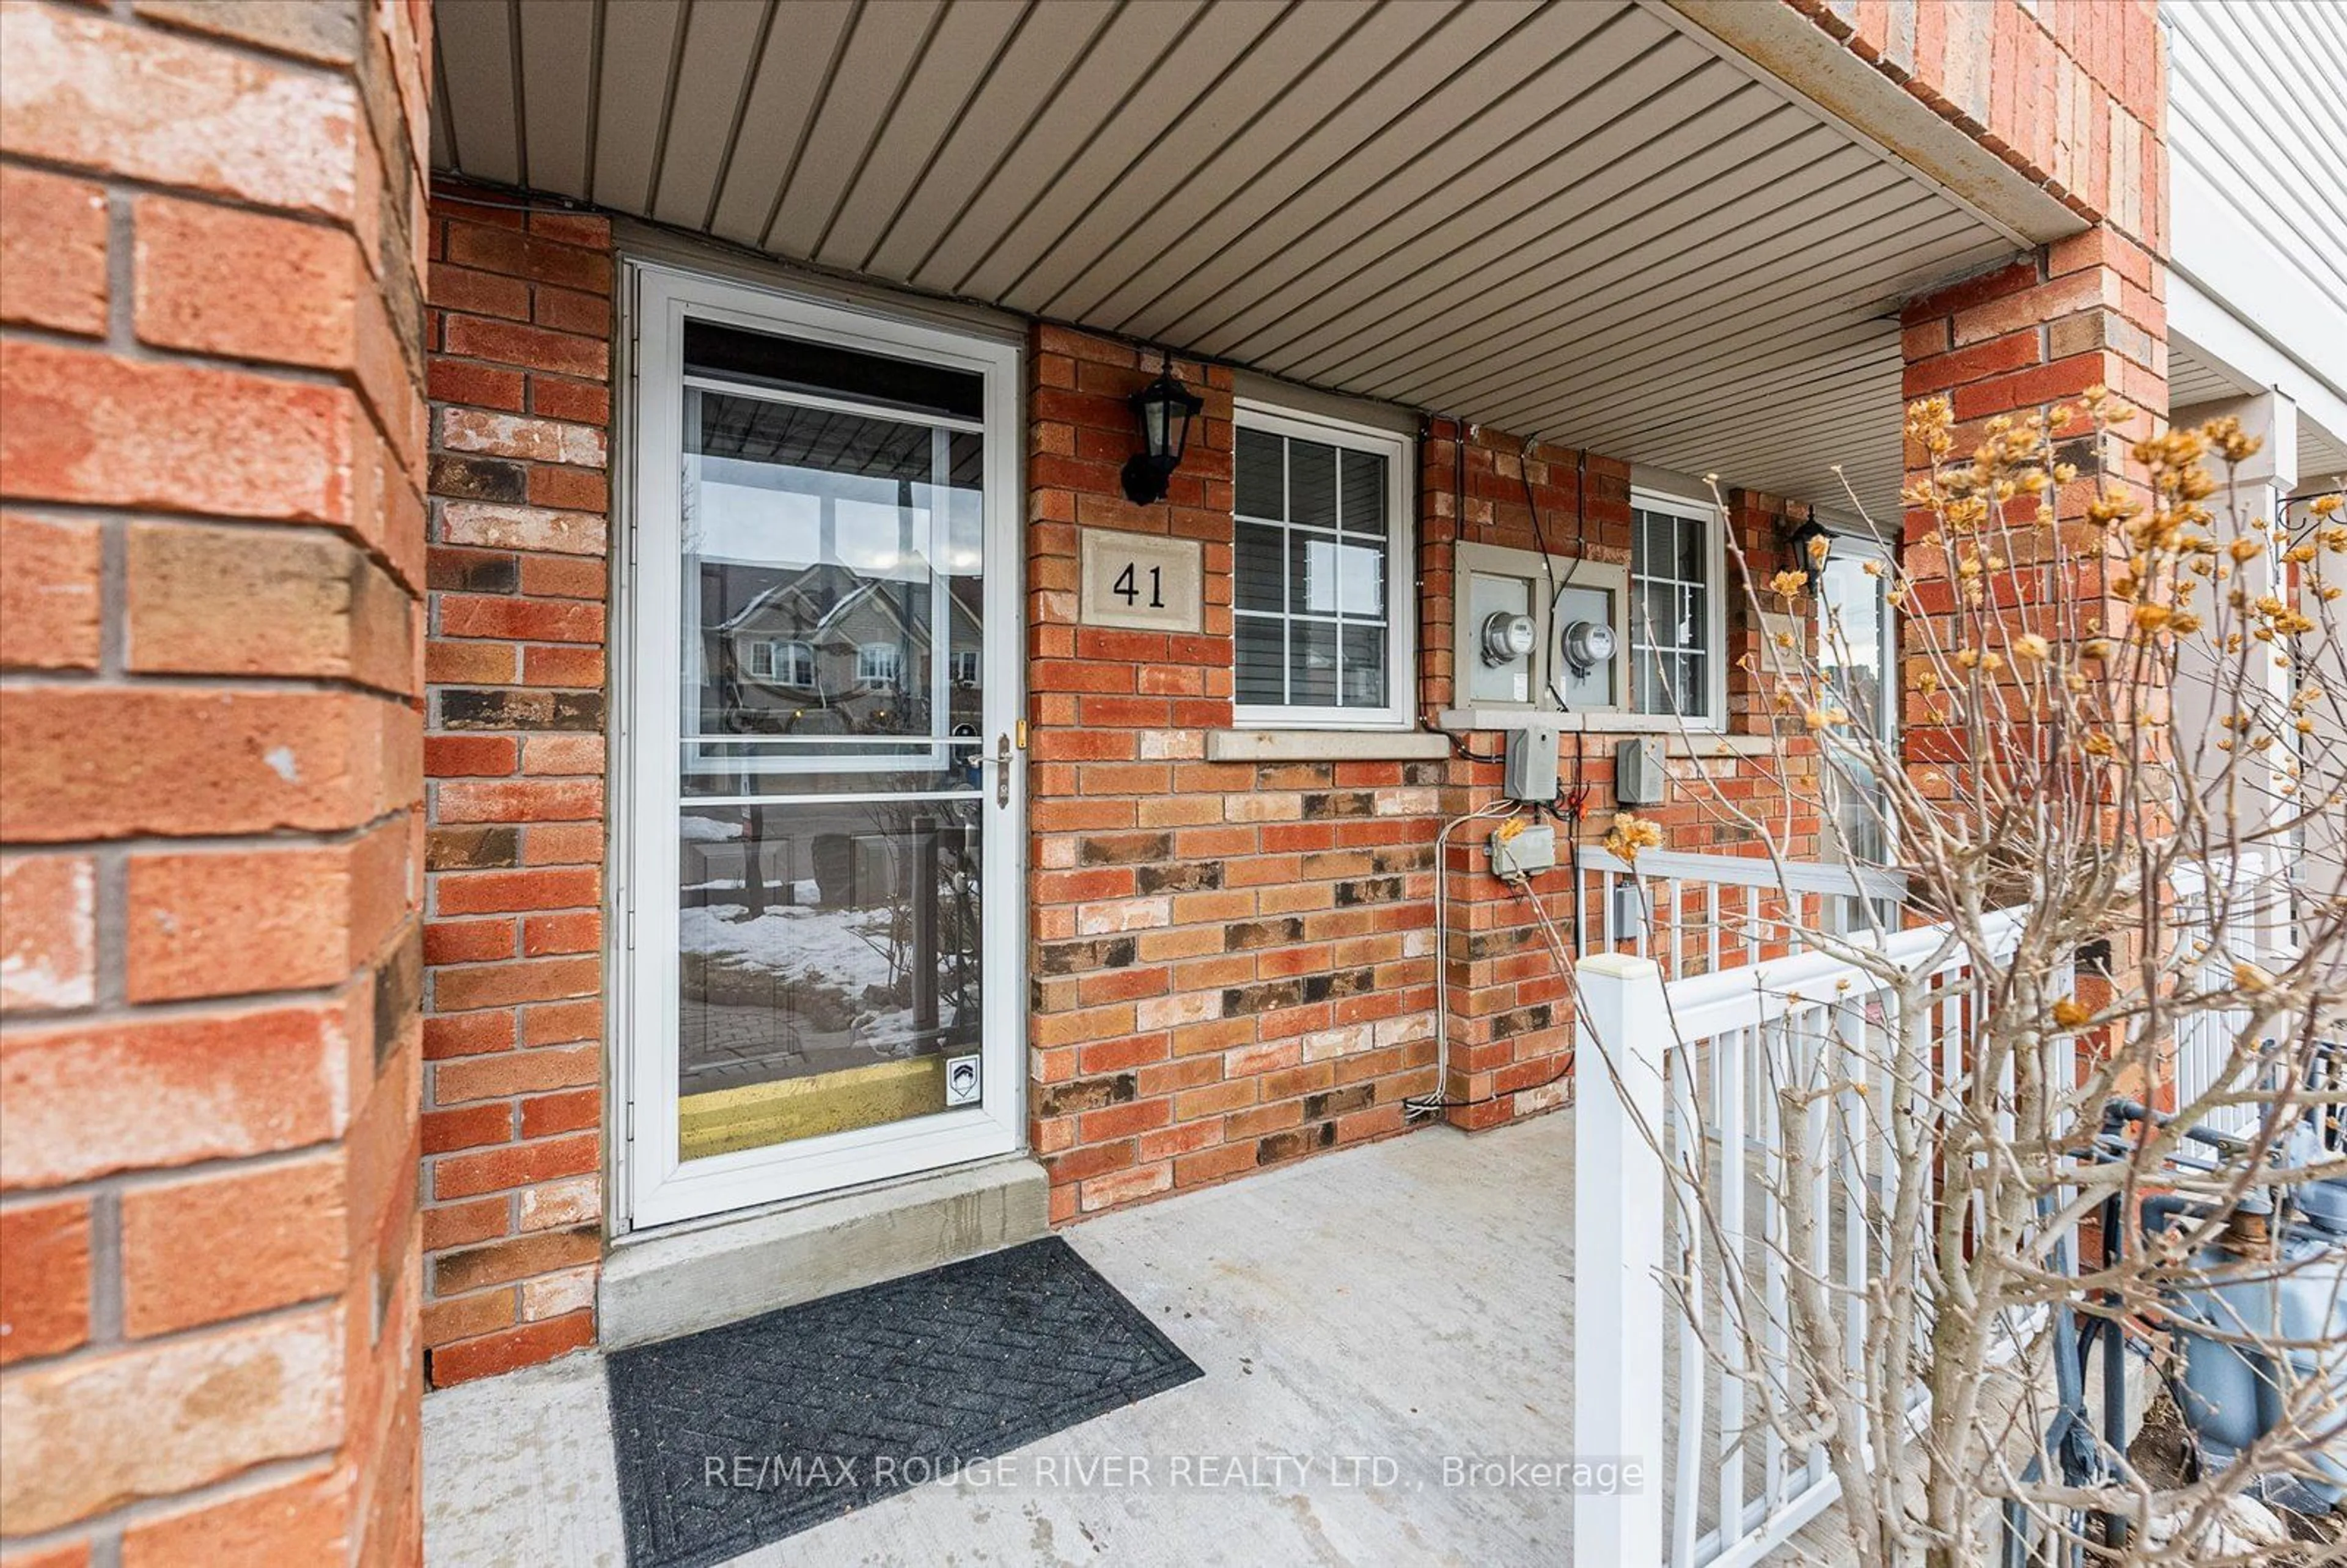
1698 1062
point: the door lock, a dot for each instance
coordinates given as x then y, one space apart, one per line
1002 769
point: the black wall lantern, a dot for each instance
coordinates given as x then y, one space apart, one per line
1810 543
1165 407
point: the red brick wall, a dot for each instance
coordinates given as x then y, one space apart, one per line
2078 315
1230 962
520 328
1511 1034
1233 963
2083 313
2073 93
212 558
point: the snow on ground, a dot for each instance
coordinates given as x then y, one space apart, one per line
839 947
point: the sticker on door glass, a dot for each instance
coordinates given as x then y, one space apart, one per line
962 1081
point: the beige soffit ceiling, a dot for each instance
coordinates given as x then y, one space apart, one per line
1573 219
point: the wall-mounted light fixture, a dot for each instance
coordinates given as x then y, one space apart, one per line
1810 543
1165 408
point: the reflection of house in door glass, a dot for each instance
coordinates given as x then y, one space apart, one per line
816 652
828 908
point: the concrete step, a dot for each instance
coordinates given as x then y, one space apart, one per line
676 1281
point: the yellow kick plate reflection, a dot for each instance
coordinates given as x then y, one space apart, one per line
725 1120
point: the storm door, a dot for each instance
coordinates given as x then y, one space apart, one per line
823 904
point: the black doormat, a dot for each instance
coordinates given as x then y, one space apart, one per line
746 1433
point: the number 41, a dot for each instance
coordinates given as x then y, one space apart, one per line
1128 589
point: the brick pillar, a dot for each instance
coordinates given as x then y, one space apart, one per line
520 332
2039 331
212 441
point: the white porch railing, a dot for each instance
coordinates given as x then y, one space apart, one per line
2242 910
1694 914
1694 1068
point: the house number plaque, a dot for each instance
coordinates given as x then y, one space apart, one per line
1142 581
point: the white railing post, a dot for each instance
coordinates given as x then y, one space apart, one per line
1619 1307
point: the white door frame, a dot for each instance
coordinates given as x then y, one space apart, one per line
653 1185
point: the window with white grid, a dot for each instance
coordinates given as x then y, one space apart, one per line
1320 582
1674 609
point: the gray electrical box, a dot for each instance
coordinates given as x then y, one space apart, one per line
1531 771
1638 778
1530 852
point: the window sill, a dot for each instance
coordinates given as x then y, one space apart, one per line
1323 746
1678 739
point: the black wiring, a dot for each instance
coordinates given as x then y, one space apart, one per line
1459 746
1539 543
529 200
1565 1070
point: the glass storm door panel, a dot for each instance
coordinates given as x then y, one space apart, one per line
1857 653
836 794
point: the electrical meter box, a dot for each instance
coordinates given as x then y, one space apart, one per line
1506 636
1539 633
1590 651
1530 771
1638 777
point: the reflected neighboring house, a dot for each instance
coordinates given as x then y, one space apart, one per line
826 651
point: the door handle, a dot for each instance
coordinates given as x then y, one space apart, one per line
1002 769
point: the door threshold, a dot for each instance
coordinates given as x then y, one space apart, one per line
681 1279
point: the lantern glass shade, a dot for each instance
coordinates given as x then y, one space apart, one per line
1165 408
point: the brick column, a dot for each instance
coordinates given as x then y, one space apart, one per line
1510 1023
2039 331
520 334
211 442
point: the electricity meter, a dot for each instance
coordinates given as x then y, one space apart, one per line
1508 638
1587 616
1587 644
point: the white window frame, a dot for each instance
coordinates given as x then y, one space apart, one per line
1713 719
1399 711
801 673
867 663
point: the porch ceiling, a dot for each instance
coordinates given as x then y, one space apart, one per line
1573 219
2195 377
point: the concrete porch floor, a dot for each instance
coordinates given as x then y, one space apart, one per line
1410 1301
